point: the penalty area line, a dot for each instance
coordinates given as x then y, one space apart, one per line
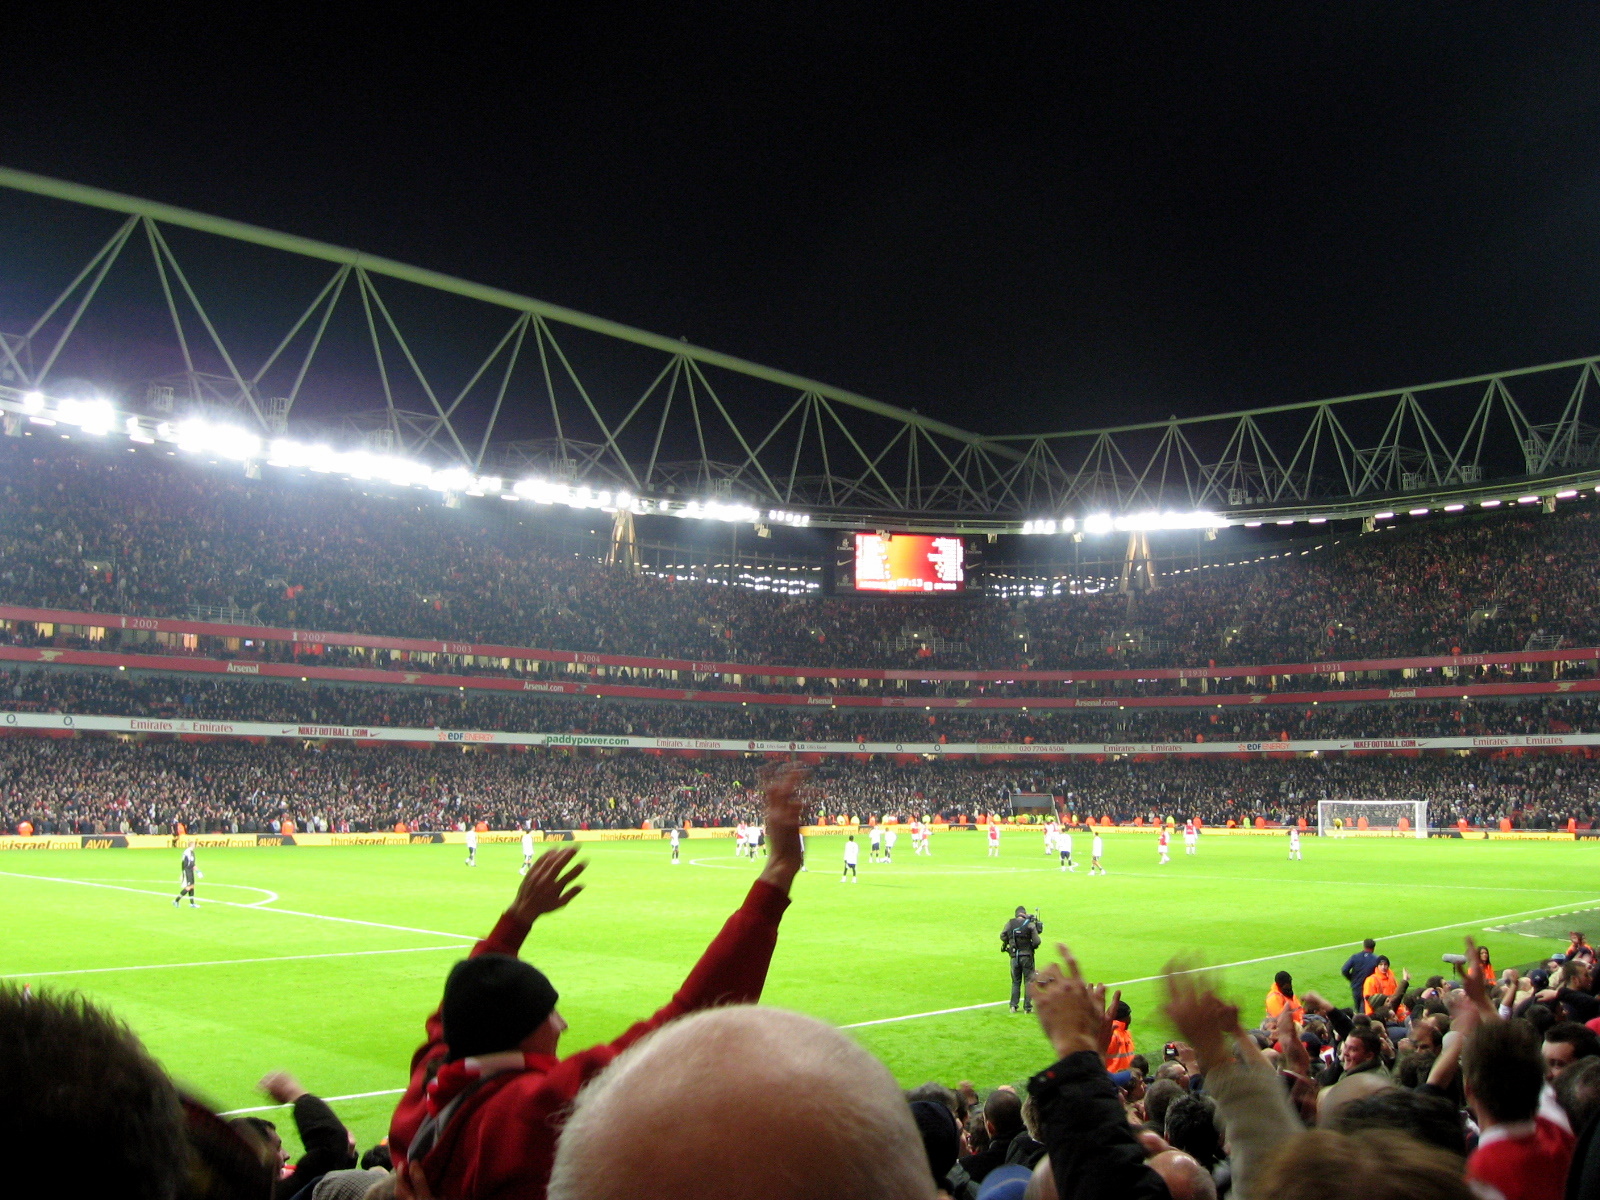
224 962
1479 922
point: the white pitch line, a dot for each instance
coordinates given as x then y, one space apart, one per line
223 962
258 906
1299 880
271 896
237 1112
1482 923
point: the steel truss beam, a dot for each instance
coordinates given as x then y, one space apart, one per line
702 427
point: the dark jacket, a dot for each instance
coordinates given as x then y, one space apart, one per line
1093 1151
978 1165
1023 1151
326 1142
1356 969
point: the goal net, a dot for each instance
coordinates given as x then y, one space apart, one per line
1372 818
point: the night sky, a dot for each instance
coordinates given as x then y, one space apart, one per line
1014 222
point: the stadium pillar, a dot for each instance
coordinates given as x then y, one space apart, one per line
1138 571
624 549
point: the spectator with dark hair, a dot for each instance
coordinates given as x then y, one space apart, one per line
1521 1151
941 1142
327 1144
81 1095
1191 1126
1359 1071
487 1089
1565 1044
1540 1017
1002 1121
1158 1098
1119 1053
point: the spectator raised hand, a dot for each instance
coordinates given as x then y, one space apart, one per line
1073 1014
548 885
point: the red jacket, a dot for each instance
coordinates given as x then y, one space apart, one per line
502 1139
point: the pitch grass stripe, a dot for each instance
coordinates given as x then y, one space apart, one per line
1482 922
223 962
237 1112
258 906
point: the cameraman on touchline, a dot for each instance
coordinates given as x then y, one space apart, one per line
1019 939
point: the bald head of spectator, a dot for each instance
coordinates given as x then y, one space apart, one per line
1185 1178
813 1111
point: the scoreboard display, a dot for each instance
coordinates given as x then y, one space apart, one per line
909 562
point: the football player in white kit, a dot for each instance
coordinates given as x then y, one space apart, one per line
1191 836
994 840
1294 843
1064 847
875 839
472 845
1096 848
927 839
1162 844
916 836
676 836
852 853
890 837
527 850
1050 839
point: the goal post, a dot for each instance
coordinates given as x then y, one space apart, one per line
1372 818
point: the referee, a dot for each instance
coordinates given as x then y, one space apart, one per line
1019 939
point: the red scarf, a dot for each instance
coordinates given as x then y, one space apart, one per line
455 1076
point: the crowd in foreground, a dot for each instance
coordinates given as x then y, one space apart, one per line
1474 1085
88 530
100 784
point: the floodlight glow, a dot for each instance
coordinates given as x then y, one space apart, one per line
1567 495
1153 522
1454 507
1489 504
1383 516
32 402
1419 512
1527 499
1098 523
1319 520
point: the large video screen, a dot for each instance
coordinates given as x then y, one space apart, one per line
909 562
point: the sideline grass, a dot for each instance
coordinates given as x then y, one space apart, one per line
348 958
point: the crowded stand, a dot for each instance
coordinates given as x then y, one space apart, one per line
1413 1085
91 784
113 693
89 531
1422 1085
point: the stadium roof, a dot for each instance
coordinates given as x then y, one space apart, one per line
578 407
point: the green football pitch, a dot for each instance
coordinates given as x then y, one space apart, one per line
325 962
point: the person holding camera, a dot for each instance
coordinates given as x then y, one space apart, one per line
1019 939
